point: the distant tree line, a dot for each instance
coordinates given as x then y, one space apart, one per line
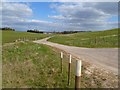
35 31
70 32
7 29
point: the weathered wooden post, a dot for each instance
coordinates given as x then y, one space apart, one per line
69 69
95 40
78 74
61 61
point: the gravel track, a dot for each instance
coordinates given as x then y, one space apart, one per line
106 58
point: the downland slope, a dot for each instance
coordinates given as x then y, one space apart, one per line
29 65
97 39
14 36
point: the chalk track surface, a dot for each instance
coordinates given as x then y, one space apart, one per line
106 58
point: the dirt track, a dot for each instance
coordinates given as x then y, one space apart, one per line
103 57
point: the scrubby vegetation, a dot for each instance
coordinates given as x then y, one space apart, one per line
7 29
35 31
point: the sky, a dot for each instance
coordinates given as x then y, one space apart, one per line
60 16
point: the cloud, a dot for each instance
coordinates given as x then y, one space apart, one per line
106 7
18 16
57 17
14 13
86 0
16 9
60 0
70 16
87 16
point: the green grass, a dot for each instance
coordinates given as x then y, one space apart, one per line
29 65
98 39
12 36
32 65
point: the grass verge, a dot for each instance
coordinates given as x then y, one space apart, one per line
29 65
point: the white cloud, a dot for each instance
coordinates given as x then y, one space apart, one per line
86 1
93 16
17 15
72 16
57 17
60 0
16 9
106 7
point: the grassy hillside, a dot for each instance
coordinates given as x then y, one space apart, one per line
12 36
98 39
29 65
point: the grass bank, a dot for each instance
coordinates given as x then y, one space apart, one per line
12 36
98 39
29 65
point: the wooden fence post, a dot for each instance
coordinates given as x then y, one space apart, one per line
61 62
78 74
69 69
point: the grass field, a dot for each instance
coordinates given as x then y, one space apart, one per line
98 39
29 65
12 36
